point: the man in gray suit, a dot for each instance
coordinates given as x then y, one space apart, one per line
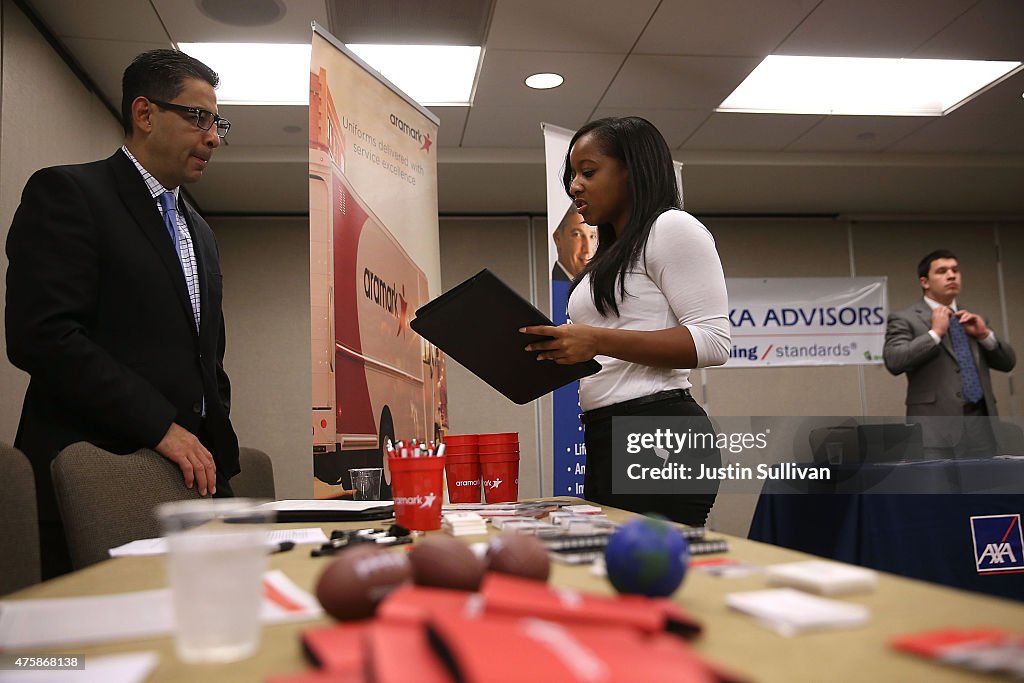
946 352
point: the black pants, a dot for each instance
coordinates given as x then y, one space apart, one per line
691 509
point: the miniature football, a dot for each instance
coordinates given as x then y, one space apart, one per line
519 555
444 562
352 585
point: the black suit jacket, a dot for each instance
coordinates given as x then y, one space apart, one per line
98 314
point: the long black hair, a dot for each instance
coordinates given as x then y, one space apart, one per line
637 144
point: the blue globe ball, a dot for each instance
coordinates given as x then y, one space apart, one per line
648 557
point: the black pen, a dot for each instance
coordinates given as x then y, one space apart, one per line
282 547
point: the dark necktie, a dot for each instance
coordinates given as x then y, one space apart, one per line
962 351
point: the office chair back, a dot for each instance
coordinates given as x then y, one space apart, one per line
107 500
256 480
19 528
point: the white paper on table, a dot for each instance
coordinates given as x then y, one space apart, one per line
789 612
324 505
158 546
128 616
822 577
133 667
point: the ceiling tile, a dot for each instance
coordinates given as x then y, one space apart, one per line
1004 98
992 29
856 133
675 124
660 82
264 125
871 28
599 26
517 126
452 126
503 72
187 24
964 132
723 27
749 132
106 60
410 22
106 20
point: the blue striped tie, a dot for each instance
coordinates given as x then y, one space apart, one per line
962 351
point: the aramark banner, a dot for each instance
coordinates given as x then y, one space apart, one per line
807 321
374 259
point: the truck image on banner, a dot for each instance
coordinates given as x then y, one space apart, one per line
373 378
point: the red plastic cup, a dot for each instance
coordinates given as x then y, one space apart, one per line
461 450
461 440
501 437
463 475
416 487
497 448
500 473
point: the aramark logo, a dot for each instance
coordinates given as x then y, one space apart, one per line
493 483
387 297
414 133
998 544
422 502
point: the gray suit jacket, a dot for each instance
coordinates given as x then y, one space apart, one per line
934 388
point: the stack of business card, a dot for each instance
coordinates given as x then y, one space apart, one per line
464 524
789 612
823 577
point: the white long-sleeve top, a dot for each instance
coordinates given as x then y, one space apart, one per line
678 281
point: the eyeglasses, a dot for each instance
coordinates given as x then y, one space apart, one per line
203 119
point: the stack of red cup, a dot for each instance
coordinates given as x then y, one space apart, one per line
499 466
462 468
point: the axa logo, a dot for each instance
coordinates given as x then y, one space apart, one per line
388 297
414 133
422 502
998 544
493 483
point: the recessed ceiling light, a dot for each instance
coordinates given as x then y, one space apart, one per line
433 75
256 73
863 86
544 81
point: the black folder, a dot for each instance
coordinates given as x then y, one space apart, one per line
477 323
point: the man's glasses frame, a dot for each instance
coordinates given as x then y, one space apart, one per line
202 116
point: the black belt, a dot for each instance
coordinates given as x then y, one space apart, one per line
605 412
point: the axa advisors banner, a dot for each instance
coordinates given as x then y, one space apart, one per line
807 321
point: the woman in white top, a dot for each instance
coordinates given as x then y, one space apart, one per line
650 305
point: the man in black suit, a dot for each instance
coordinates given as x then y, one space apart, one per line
947 352
114 295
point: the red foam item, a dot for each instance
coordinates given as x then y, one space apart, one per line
511 595
401 653
339 649
416 604
551 651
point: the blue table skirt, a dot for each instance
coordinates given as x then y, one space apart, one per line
923 536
